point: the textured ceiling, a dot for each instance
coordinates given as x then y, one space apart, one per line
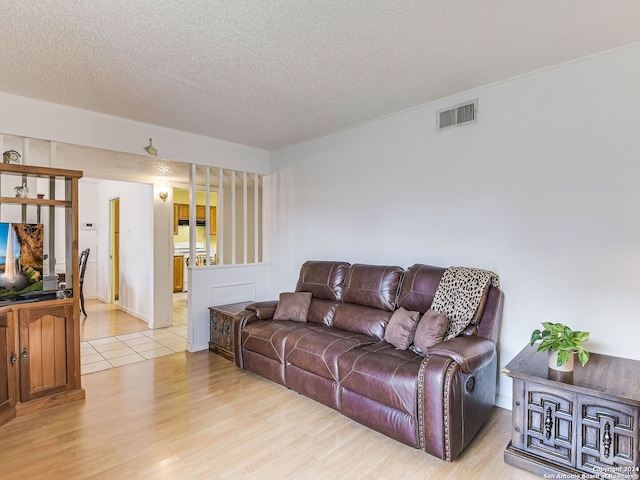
268 73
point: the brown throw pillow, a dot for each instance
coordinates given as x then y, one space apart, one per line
401 328
293 306
431 330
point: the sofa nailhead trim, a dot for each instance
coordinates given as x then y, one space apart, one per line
421 373
447 387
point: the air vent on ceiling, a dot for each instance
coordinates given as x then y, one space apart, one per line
462 114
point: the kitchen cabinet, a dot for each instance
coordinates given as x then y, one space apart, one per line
181 212
178 273
201 212
175 218
212 220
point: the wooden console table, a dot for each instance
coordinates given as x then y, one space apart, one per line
221 324
582 424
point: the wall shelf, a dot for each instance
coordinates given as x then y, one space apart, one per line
36 201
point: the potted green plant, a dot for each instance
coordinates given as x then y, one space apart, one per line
562 343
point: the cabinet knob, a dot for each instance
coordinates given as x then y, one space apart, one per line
13 359
24 355
518 404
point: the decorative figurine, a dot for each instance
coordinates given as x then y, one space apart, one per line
10 156
22 192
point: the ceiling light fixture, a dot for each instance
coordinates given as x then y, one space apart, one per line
151 150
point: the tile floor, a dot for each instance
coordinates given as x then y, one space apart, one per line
110 352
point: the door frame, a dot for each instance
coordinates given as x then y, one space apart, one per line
112 235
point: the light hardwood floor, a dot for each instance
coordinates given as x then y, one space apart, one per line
106 320
196 416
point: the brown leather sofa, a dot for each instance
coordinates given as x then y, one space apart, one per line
339 357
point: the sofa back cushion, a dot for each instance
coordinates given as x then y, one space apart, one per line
325 280
373 286
360 319
419 287
322 311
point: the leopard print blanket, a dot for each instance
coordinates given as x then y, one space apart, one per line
459 294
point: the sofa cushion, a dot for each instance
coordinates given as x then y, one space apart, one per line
325 280
322 311
401 328
317 348
267 337
430 330
293 306
419 287
373 286
365 320
382 373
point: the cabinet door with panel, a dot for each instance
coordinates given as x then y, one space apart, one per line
7 365
608 435
176 213
547 422
178 273
201 212
212 220
183 211
46 351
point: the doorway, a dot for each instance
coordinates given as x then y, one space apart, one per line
114 254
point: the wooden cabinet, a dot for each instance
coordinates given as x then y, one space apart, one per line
8 368
178 273
221 324
175 218
201 212
46 351
212 220
582 424
181 212
40 335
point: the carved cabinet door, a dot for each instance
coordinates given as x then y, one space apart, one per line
546 422
608 436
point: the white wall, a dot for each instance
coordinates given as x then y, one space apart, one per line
544 190
88 211
136 240
220 285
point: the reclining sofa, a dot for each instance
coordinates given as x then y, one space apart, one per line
338 356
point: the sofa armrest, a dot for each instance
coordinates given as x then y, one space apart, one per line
263 310
252 313
471 353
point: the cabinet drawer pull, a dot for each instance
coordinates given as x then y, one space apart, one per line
606 440
548 423
24 355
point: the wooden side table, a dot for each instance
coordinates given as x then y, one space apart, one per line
221 324
578 425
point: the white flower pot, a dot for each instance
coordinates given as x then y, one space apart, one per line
553 362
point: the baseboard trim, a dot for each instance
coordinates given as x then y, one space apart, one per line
197 347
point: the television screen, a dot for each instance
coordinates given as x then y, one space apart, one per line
21 257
